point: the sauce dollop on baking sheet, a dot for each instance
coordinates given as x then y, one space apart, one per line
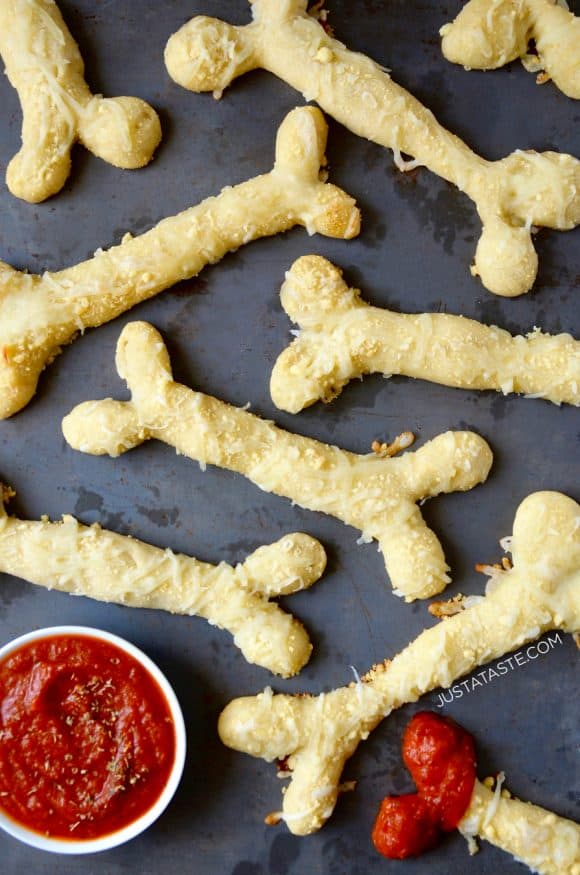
87 741
440 756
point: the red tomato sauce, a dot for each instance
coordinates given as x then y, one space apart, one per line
87 741
440 756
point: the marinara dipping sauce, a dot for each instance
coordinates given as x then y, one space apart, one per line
440 755
87 736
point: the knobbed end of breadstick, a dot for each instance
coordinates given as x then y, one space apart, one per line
44 65
300 143
142 360
103 428
505 259
335 215
307 372
270 637
310 369
489 33
33 175
206 54
524 190
265 725
321 207
413 556
558 46
455 461
311 796
111 427
538 189
486 34
124 131
17 382
276 641
314 290
313 735
293 563
546 534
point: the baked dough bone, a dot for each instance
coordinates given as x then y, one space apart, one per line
490 33
91 561
547 843
378 496
316 735
38 314
513 195
44 65
341 338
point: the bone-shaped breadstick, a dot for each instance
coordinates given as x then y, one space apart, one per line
44 64
511 195
440 755
545 842
342 337
100 564
38 314
489 33
376 495
316 735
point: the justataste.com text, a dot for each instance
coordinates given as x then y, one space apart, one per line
486 675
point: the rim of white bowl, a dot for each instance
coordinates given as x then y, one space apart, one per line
133 829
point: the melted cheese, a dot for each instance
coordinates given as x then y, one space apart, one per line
356 91
376 495
39 314
320 733
94 562
44 64
342 338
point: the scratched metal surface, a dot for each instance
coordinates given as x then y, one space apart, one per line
224 331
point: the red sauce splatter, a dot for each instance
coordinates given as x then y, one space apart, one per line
440 756
87 741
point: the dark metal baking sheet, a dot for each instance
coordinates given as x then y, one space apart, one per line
224 331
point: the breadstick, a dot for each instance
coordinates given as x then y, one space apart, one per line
38 314
545 842
91 561
317 734
490 33
375 495
441 758
522 190
44 65
342 337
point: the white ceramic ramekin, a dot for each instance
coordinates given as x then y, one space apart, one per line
111 840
